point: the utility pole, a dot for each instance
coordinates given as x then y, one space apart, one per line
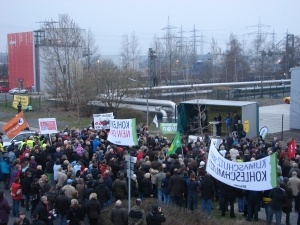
152 68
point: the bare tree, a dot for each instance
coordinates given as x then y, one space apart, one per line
130 51
112 83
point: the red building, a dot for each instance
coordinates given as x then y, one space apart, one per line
21 60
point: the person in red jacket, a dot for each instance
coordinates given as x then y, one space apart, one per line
16 195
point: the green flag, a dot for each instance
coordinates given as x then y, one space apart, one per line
175 144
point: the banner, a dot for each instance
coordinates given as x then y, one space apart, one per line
20 98
256 175
15 125
102 121
175 144
123 132
168 128
292 148
47 125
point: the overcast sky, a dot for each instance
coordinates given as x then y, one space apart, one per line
110 19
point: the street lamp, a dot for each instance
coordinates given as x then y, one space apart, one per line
146 93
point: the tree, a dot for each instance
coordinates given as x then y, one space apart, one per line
235 60
112 83
67 59
130 51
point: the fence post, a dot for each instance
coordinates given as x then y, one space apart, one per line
282 127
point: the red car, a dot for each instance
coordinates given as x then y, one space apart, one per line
3 89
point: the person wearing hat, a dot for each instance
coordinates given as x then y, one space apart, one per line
136 213
69 189
155 217
96 143
119 215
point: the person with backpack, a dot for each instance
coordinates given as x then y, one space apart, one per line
136 214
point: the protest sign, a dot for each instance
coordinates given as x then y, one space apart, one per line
47 125
102 121
256 175
123 132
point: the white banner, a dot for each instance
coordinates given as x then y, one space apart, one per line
102 121
47 125
256 175
123 132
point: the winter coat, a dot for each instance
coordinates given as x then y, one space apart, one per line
4 211
16 191
146 187
227 191
176 185
119 216
136 216
42 210
155 218
93 209
119 189
75 215
103 192
207 188
253 197
278 196
62 204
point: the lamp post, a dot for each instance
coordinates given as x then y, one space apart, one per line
146 93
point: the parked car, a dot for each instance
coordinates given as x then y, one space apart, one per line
287 100
17 139
18 91
3 89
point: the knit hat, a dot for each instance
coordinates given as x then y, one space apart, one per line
285 180
69 181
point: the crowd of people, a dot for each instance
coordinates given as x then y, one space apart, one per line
77 173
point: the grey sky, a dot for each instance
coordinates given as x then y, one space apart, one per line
109 20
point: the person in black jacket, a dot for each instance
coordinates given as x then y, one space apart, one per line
26 182
75 213
42 210
36 220
62 204
207 194
277 196
93 209
228 193
155 217
253 201
103 193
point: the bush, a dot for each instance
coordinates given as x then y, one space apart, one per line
180 216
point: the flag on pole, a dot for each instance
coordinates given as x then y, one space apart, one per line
155 120
175 144
292 148
15 125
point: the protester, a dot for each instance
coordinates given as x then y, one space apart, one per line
278 197
16 195
136 214
155 217
93 209
4 209
75 213
118 215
